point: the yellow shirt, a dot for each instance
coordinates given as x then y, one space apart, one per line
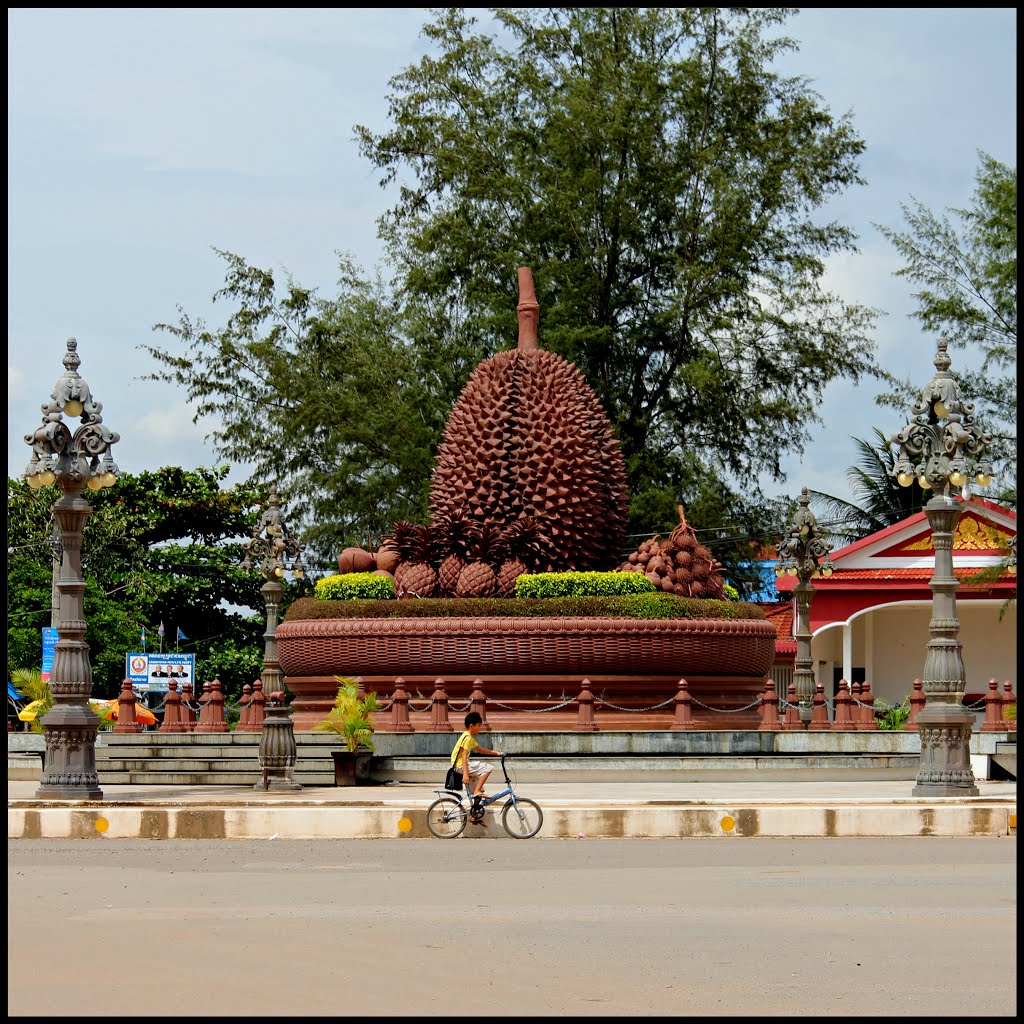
466 744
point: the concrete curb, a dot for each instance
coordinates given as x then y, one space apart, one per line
403 819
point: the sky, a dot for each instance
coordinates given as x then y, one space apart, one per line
140 140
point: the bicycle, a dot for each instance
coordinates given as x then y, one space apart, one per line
449 814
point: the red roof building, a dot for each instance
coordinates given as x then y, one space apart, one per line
870 618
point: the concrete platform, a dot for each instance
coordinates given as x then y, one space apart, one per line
635 809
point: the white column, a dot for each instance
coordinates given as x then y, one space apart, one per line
869 648
848 651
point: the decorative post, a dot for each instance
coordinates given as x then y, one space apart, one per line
74 461
935 447
993 709
400 708
585 716
271 545
439 721
819 712
478 703
916 703
126 721
842 722
799 556
769 707
684 708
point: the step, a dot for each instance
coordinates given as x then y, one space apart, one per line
319 771
1005 757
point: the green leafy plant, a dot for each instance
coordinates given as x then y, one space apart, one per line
582 584
650 605
1010 712
731 593
892 717
350 716
30 682
354 586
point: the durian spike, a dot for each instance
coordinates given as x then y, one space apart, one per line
528 309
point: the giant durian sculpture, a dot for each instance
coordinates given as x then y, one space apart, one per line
529 475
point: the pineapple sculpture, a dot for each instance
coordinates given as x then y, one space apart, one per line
478 578
679 565
414 575
529 477
454 539
520 549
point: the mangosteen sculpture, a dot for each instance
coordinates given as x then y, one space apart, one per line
529 477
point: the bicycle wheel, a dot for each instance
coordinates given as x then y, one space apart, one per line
522 819
446 817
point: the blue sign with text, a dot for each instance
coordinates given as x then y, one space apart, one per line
50 638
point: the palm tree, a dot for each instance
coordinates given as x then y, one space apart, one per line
880 500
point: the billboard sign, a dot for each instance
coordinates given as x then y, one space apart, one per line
152 672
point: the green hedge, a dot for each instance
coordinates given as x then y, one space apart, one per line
625 606
353 586
582 584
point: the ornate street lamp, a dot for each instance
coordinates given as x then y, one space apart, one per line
804 554
75 461
940 447
270 547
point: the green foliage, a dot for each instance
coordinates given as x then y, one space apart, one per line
30 683
362 406
731 593
350 716
1010 712
892 717
581 584
352 586
967 278
629 606
160 546
233 664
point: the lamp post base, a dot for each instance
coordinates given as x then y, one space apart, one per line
278 784
69 771
945 752
277 751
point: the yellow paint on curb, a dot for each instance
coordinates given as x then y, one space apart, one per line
102 825
727 823
1013 821
404 824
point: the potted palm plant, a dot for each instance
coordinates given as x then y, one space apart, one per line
350 719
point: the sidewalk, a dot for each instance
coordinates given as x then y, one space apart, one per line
571 810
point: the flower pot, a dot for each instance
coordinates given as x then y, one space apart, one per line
352 767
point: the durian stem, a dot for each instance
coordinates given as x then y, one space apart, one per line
528 310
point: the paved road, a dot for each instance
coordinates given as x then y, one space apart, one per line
763 927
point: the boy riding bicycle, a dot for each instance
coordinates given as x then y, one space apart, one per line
474 772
